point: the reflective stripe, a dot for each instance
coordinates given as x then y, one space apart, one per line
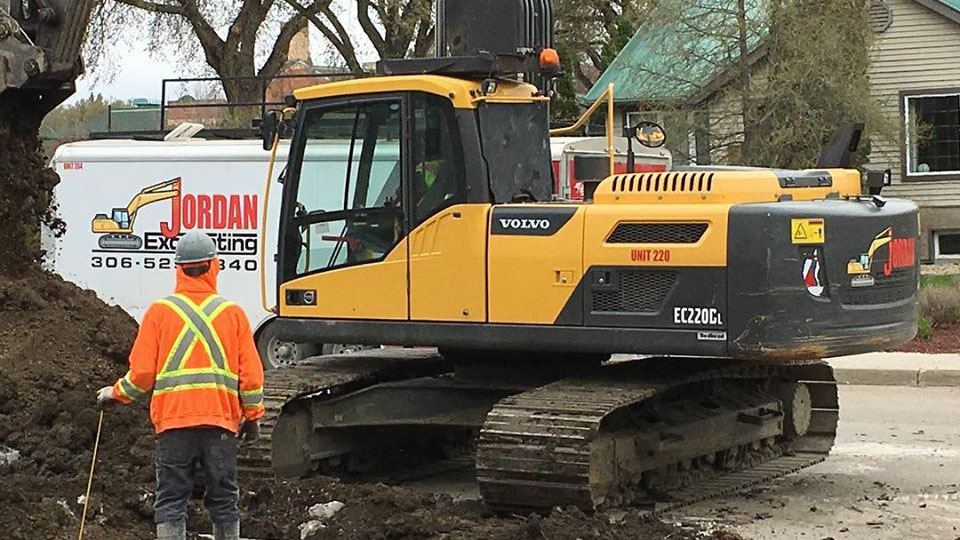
197 328
194 371
129 389
198 386
210 305
181 349
251 398
192 379
201 325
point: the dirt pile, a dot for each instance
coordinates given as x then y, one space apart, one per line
25 182
58 344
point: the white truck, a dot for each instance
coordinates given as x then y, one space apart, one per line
126 201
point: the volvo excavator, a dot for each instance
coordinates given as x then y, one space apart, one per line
718 291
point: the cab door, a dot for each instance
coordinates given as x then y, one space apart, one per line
448 235
344 252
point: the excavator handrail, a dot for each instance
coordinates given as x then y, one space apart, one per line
608 96
263 214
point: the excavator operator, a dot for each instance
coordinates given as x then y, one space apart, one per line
195 350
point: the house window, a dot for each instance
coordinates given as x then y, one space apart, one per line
933 134
946 245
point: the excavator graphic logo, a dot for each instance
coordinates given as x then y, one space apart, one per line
861 266
116 230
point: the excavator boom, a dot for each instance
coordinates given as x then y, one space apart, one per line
151 194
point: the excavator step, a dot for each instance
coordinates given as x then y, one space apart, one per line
325 377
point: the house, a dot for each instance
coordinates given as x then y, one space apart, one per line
675 71
915 75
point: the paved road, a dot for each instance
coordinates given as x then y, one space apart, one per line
894 474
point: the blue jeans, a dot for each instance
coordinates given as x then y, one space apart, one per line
178 452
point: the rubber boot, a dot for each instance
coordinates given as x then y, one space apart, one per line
172 530
226 531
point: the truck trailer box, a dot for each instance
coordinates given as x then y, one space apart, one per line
125 202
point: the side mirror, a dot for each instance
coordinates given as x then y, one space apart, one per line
269 125
877 179
649 134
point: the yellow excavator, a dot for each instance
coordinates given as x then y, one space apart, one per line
117 228
719 290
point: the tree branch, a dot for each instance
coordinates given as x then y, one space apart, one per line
281 47
370 29
153 7
338 37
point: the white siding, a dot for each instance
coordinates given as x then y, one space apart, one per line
920 51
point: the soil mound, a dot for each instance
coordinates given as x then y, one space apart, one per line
26 183
58 344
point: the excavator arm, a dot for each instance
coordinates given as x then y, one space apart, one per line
151 194
40 42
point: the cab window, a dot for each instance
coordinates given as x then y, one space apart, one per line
348 199
438 172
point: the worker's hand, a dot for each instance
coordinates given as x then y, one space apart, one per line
249 431
105 396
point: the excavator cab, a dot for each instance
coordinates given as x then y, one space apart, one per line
393 186
121 217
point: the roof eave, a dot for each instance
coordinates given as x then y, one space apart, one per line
941 8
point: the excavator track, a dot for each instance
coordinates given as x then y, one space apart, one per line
324 377
567 443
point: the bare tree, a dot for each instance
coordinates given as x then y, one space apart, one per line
395 28
237 38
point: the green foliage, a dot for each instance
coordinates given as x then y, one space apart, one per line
940 281
924 330
815 78
75 122
589 34
564 104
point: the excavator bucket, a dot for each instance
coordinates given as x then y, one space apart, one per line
40 43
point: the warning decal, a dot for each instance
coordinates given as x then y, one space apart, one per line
807 231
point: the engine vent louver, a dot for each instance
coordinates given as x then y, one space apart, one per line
657 233
682 182
639 291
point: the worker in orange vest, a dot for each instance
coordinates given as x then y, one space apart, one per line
195 350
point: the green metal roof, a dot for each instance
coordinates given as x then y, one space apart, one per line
678 50
952 4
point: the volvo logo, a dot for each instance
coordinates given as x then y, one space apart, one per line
525 224
531 220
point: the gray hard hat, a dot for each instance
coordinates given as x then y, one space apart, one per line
195 246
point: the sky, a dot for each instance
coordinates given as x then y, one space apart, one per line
133 73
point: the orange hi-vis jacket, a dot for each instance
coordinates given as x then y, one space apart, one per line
195 351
